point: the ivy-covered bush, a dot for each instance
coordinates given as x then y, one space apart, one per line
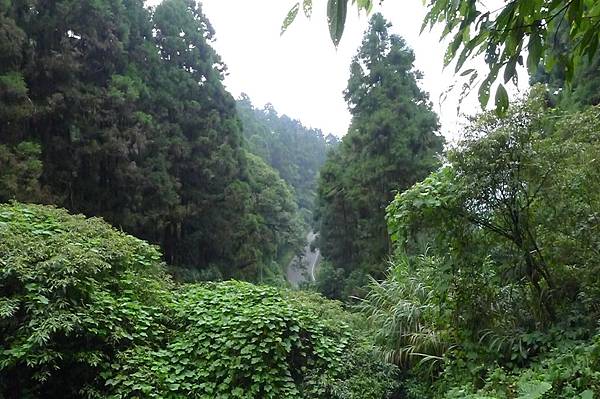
88 311
233 340
362 374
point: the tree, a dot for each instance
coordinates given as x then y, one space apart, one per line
111 109
270 225
391 144
512 194
503 36
496 258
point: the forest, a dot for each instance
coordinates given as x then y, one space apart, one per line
148 217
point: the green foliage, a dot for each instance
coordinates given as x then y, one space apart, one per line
391 144
336 18
329 281
505 282
13 83
362 374
12 39
133 124
87 311
406 315
568 370
336 15
505 35
483 181
20 170
271 226
73 292
584 88
508 188
232 340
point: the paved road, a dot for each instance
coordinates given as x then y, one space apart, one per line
302 268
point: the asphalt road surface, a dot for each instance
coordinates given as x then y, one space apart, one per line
302 269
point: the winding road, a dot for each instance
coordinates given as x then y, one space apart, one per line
302 269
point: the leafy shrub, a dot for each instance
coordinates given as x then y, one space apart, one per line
404 312
361 374
87 311
569 370
73 292
233 340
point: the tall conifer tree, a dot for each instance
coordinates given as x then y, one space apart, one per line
391 144
111 109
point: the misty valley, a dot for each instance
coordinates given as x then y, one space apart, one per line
161 237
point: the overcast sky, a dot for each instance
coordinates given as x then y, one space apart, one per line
302 74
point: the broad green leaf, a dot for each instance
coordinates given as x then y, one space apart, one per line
533 389
535 52
465 53
484 93
510 70
336 18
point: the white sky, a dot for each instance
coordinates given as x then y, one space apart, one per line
302 74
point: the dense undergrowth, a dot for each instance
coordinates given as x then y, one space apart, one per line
493 288
87 311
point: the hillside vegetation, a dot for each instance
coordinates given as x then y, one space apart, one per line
88 311
296 152
146 217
